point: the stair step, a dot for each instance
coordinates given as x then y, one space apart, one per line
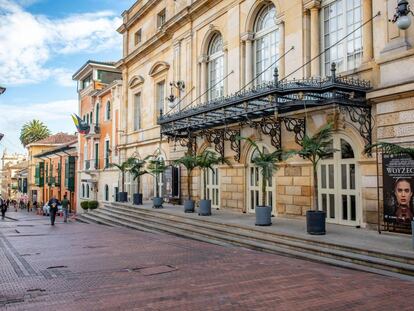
264 234
280 247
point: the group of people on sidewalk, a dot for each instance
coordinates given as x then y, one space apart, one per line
53 205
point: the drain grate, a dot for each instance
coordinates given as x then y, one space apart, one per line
148 271
56 267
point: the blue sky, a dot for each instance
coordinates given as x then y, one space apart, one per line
42 43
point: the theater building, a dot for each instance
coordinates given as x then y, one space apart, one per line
272 71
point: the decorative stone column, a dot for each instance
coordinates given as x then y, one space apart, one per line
203 77
315 39
282 61
367 41
307 42
248 39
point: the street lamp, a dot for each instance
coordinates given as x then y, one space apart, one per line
402 15
2 90
180 86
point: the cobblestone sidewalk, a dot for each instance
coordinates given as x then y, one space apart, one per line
77 266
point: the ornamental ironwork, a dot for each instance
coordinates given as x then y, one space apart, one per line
258 106
217 137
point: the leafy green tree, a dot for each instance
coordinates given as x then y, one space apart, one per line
206 160
33 131
137 169
189 161
314 148
156 166
390 148
266 162
124 167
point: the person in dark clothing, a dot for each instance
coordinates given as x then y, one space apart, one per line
3 207
53 208
65 208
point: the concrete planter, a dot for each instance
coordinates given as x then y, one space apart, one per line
137 199
122 196
189 206
263 215
316 222
205 208
157 202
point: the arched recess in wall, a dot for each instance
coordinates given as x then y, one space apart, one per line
158 68
210 34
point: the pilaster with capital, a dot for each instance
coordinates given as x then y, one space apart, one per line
314 7
248 39
282 48
203 77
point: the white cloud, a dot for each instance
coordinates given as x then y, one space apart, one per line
55 114
28 42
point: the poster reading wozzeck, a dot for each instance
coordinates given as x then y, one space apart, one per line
398 183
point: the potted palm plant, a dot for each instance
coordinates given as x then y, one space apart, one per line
156 166
267 165
205 161
394 149
123 168
137 169
189 161
314 148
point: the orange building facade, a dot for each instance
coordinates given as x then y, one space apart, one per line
99 89
57 173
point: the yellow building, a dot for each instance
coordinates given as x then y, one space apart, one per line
8 162
331 66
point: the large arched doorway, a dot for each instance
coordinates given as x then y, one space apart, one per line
338 185
255 182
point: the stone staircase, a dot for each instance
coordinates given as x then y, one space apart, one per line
211 231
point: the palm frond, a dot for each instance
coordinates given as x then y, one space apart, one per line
390 148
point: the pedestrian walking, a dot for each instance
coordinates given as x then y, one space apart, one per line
28 207
3 207
65 208
53 208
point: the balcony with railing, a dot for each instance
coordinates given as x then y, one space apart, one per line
92 164
94 131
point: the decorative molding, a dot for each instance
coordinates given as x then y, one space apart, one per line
158 68
135 81
247 36
311 4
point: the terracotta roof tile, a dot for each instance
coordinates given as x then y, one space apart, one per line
59 138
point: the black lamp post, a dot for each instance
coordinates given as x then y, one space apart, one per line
402 15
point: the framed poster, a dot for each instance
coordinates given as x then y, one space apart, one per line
398 186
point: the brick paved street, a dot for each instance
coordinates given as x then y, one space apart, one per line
78 266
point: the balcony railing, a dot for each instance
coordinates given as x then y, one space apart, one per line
92 164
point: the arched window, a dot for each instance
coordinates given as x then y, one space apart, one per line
87 191
215 67
97 114
266 43
108 110
83 190
106 193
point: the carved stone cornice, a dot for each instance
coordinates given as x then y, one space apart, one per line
247 36
311 4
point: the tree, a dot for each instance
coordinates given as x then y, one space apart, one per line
33 131
206 160
137 170
189 161
124 167
266 163
390 148
156 166
314 148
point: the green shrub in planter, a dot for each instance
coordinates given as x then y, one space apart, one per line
93 205
85 205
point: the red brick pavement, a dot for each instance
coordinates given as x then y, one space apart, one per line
91 267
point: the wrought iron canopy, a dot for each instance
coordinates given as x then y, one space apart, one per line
267 99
